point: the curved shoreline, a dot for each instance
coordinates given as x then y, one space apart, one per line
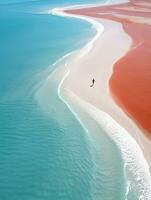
132 96
68 99
95 105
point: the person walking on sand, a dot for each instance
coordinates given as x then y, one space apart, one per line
93 81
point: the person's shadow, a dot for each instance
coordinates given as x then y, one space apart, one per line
93 81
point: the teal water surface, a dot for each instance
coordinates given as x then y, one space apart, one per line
45 156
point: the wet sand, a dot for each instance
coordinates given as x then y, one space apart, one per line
131 79
123 74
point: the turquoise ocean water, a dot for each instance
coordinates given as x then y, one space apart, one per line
47 155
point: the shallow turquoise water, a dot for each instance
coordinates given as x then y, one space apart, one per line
47 155
40 157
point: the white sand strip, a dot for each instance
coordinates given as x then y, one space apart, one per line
98 63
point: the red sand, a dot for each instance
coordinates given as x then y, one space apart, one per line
130 83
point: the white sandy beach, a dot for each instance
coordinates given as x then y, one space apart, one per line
96 60
98 64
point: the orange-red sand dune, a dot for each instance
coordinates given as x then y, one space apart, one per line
130 83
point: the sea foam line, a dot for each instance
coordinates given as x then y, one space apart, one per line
99 30
98 26
132 153
135 163
65 102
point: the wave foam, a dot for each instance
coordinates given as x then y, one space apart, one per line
136 167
